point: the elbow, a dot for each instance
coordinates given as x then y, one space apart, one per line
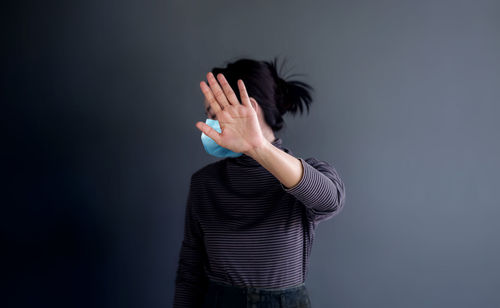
335 208
336 205
330 208
340 195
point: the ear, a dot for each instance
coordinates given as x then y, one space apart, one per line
254 104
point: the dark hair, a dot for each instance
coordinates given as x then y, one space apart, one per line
276 95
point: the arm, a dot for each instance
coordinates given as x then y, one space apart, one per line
285 167
320 189
316 184
191 281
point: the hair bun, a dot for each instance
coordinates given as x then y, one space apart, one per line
281 95
282 85
291 95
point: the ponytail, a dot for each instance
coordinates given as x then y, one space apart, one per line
292 95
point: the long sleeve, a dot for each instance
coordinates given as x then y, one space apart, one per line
320 189
191 281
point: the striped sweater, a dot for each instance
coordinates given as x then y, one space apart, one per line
243 227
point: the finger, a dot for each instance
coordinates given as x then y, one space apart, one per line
210 98
217 91
244 94
233 99
209 131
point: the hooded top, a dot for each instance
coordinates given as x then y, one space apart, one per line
243 227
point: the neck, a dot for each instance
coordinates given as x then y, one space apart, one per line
269 135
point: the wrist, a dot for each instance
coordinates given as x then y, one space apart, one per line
259 149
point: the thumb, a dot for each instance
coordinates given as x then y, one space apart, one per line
209 131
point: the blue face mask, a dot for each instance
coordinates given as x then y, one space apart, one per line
212 147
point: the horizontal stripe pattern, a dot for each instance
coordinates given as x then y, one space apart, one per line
243 227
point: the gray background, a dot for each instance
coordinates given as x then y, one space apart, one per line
406 106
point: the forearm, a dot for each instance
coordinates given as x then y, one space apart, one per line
285 167
314 183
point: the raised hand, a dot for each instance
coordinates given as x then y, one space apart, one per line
240 128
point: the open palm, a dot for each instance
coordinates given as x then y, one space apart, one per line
240 128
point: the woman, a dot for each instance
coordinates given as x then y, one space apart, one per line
250 217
